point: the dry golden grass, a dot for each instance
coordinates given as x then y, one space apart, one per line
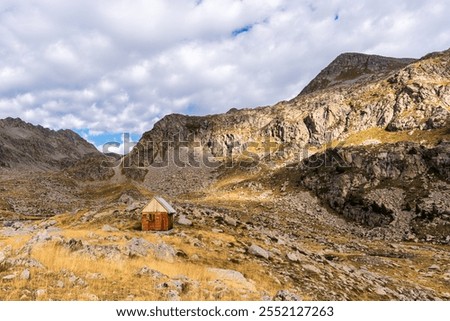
428 136
15 242
119 280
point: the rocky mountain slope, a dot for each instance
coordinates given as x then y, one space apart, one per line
29 147
415 96
358 100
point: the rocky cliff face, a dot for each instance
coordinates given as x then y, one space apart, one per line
399 189
385 93
25 146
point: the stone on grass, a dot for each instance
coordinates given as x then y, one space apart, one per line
183 220
109 228
25 275
258 251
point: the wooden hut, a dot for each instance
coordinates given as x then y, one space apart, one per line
157 215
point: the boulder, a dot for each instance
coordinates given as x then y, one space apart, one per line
138 247
146 271
41 292
165 252
183 220
25 275
293 256
258 251
173 295
230 221
9 277
234 276
108 228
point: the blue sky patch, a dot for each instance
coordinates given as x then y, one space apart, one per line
112 139
236 32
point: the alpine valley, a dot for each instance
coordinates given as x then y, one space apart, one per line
341 193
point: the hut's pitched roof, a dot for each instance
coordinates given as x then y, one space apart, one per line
166 205
161 202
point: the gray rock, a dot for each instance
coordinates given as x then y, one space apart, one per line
111 252
138 247
179 285
258 251
9 277
173 295
133 207
183 220
266 297
195 257
293 256
74 280
41 292
146 271
311 268
25 275
234 276
165 252
40 237
60 284
380 291
230 221
26 262
108 228
125 198
285 295
434 267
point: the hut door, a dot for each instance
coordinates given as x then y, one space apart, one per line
164 222
158 221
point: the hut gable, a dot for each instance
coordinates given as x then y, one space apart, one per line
157 215
159 204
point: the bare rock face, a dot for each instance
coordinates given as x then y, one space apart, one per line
402 186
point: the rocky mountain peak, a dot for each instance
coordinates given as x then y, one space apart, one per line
350 68
24 145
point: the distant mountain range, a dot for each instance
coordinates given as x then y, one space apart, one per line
25 146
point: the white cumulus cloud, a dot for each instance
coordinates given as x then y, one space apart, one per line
118 66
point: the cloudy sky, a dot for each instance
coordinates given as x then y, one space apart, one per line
106 67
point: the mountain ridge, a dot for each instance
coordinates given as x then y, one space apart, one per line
351 67
27 146
401 99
